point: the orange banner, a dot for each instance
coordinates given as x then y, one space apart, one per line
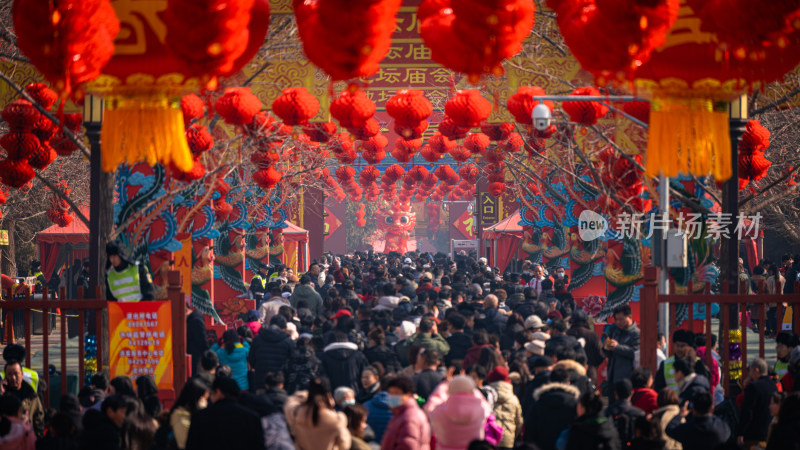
141 340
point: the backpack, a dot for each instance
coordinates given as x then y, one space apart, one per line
626 427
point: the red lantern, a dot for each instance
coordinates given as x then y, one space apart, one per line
320 131
16 172
521 104
451 130
512 144
193 108
460 153
41 159
409 131
497 131
440 144
409 107
199 139
638 110
468 108
394 172
752 164
267 178
42 94
476 142
352 108
238 106
367 130
346 39
198 171
585 112
497 189
295 106
429 154
20 145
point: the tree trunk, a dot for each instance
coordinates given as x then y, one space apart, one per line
9 261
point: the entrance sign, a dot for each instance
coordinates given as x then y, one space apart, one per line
141 340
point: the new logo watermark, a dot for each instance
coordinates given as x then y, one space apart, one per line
591 225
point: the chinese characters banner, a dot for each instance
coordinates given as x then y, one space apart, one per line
141 340
462 225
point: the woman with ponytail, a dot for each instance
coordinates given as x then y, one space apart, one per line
233 353
314 422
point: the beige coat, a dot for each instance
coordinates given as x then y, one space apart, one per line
666 414
507 412
330 433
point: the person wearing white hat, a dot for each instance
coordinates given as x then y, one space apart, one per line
535 347
534 323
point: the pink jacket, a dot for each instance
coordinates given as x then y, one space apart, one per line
408 429
254 327
458 421
20 437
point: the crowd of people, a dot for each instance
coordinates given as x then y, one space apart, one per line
422 351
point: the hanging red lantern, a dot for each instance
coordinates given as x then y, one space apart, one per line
638 110
460 153
394 172
345 174
267 178
20 145
193 108
494 155
468 173
295 106
429 154
198 171
497 189
352 108
451 130
43 158
521 104
512 144
409 107
16 172
468 108
752 163
319 131
409 131
585 112
497 131
20 115
199 139
43 95
440 144
69 42
476 142
346 39
367 130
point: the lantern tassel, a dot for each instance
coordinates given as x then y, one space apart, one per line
150 130
688 136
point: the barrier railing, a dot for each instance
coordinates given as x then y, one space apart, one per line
651 300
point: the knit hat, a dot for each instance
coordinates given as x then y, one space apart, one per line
253 315
541 336
536 347
405 330
461 384
499 373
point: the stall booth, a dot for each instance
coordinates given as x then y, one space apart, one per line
295 248
62 249
505 241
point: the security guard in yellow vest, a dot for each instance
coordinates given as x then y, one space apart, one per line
683 343
258 285
36 271
16 352
126 281
784 344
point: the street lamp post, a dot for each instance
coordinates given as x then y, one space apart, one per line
92 121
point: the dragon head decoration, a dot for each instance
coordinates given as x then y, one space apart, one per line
398 223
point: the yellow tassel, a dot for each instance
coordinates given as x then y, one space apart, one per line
148 130
687 136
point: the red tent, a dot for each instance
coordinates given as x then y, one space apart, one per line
505 239
295 243
60 246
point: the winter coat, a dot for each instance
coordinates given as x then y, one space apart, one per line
342 363
196 342
276 432
31 403
180 420
237 360
427 340
593 433
691 384
664 416
507 412
472 356
494 321
577 375
552 412
270 351
379 414
242 427
699 432
384 355
408 429
645 399
19 437
785 434
458 421
307 294
277 397
389 302
592 347
620 361
99 432
329 433
754 417
426 381
624 416
254 326
303 367
459 343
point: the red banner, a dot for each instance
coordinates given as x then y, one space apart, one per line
141 340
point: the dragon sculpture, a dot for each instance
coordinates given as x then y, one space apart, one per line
398 223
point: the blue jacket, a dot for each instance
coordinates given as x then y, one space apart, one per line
379 414
237 360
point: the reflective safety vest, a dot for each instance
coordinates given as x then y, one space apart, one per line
261 280
781 368
30 376
124 286
669 373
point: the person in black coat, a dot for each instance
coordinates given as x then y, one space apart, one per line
688 381
102 429
623 413
225 424
459 341
196 342
552 412
702 430
302 367
275 392
754 417
342 363
785 433
592 430
271 350
379 352
592 346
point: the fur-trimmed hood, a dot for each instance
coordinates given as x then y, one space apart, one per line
549 387
568 364
341 346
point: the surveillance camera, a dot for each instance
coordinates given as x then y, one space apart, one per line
541 117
